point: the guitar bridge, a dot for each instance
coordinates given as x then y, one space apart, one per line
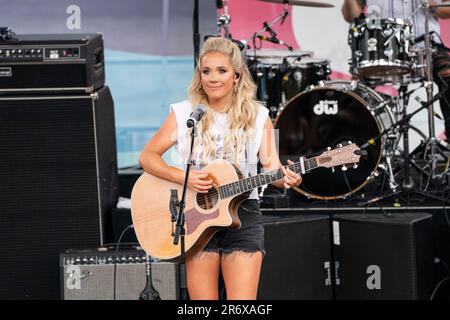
173 204
173 207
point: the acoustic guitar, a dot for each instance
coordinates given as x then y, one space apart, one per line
153 201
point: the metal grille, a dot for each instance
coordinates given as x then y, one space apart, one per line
49 187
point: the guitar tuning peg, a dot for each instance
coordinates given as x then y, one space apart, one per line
355 166
339 145
332 170
328 148
349 142
344 168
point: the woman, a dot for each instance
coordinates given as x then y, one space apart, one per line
235 128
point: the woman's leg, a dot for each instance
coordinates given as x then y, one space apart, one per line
240 271
203 276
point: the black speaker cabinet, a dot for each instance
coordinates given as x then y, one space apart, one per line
383 256
89 275
298 258
58 172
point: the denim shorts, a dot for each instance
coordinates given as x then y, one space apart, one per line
248 238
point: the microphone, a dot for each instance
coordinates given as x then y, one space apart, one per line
274 40
419 39
437 115
422 37
196 116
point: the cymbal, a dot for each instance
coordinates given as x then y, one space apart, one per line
304 3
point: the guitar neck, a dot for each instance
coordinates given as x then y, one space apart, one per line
248 184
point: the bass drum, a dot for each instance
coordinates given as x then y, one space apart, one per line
323 116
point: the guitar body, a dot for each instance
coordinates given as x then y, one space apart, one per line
205 214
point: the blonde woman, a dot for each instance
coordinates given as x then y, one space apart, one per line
235 128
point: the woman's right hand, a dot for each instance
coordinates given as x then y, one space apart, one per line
199 181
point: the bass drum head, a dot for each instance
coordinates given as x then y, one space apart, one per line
323 117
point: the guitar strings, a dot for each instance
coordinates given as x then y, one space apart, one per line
202 197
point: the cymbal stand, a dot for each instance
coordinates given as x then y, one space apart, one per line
431 144
224 20
407 187
408 182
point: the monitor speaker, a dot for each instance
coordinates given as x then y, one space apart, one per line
297 264
383 256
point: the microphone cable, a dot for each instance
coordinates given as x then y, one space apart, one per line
115 258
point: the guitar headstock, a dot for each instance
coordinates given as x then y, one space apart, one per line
343 155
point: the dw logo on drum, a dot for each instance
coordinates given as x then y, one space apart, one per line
326 106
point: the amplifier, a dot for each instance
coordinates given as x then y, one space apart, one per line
52 63
89 275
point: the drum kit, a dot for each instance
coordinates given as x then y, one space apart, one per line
313 112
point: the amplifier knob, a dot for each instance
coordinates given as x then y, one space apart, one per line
77 260
110 260
91 260
13 51
85 260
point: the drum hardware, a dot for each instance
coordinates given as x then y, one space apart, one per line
389 154
431 144
224 20
407 188
304 3
268 28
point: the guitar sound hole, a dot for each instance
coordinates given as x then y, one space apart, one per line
208 200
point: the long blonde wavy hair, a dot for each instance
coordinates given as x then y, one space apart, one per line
241 111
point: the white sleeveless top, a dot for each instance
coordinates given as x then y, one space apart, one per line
249 163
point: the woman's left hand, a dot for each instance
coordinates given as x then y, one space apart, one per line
291 179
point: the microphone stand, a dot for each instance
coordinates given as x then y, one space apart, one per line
267 27
149 292
180 221
223 22
429 89
432 142
196 33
